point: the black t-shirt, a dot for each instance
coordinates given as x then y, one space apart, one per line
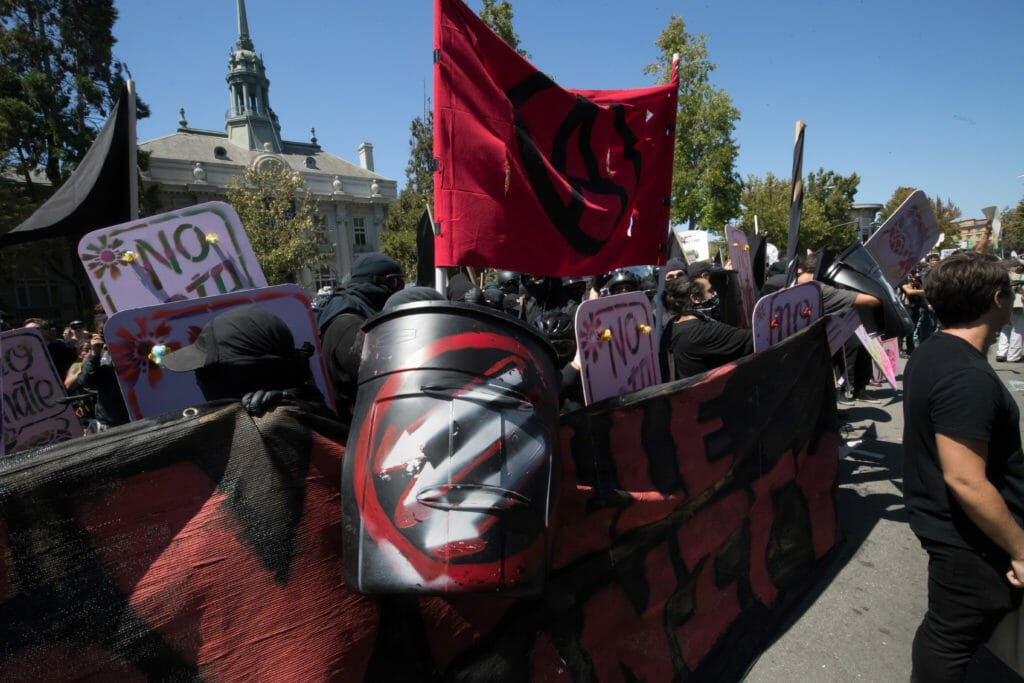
342 345
700 345
950 389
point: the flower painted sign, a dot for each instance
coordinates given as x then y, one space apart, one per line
783 313
185 254
876 349
905 238
617 349
138 339
31 387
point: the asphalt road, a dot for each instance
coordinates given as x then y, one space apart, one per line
857 621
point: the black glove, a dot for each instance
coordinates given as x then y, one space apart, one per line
258 402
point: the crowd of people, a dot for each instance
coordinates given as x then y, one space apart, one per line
696 336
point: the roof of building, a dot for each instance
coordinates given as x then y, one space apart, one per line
191 145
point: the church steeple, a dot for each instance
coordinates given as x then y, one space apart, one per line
244 42
251 122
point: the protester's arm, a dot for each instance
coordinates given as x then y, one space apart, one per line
89 376
963 469
866 301
71 379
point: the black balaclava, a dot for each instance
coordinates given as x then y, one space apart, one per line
373 280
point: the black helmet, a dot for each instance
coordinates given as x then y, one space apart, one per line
508 280
494 297
623 280
559 329
539 286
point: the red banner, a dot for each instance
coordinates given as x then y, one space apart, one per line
539 179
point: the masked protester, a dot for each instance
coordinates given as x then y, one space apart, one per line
247 353
694 341
374 278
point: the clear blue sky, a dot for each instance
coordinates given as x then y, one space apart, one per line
913 93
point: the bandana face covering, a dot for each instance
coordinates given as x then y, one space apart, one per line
710 308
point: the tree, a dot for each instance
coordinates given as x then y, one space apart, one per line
834 192
281 219
1013 228
58 82
705 185
945 213
398 240
821 224
498 15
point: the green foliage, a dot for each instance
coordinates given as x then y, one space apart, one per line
281 219
58 81
945 213
498 16
1013 228
834 192
398 239
705 185
821 223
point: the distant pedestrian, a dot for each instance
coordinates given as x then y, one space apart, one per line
964 471
1011 337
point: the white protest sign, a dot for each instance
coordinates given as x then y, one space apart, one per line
694 244
618 351
905 238
31 387
782 314
185 254
149 389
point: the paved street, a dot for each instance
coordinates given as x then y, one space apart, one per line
858 620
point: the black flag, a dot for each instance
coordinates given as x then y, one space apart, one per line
425 251
98 193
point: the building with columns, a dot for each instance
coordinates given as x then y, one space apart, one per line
194 165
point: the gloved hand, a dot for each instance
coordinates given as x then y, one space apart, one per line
258 402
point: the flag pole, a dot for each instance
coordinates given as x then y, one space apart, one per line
440 274
133 169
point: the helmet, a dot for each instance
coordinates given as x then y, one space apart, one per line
624 281
508 280
539 287
559 329
493 296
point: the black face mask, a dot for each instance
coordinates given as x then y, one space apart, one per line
710 308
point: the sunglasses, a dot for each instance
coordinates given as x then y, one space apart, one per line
394 282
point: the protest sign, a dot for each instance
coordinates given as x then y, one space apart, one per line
782 314
905 238
694 244
618 351
739 254
31 388
133 335
185 254
877 351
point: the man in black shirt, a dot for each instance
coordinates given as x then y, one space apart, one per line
695 342
964 471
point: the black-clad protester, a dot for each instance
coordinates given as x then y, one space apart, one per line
98 375
458 285
374 278
248 353
696 342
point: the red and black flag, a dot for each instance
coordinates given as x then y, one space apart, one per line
535 178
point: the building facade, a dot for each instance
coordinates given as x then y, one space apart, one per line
972 230
193 165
